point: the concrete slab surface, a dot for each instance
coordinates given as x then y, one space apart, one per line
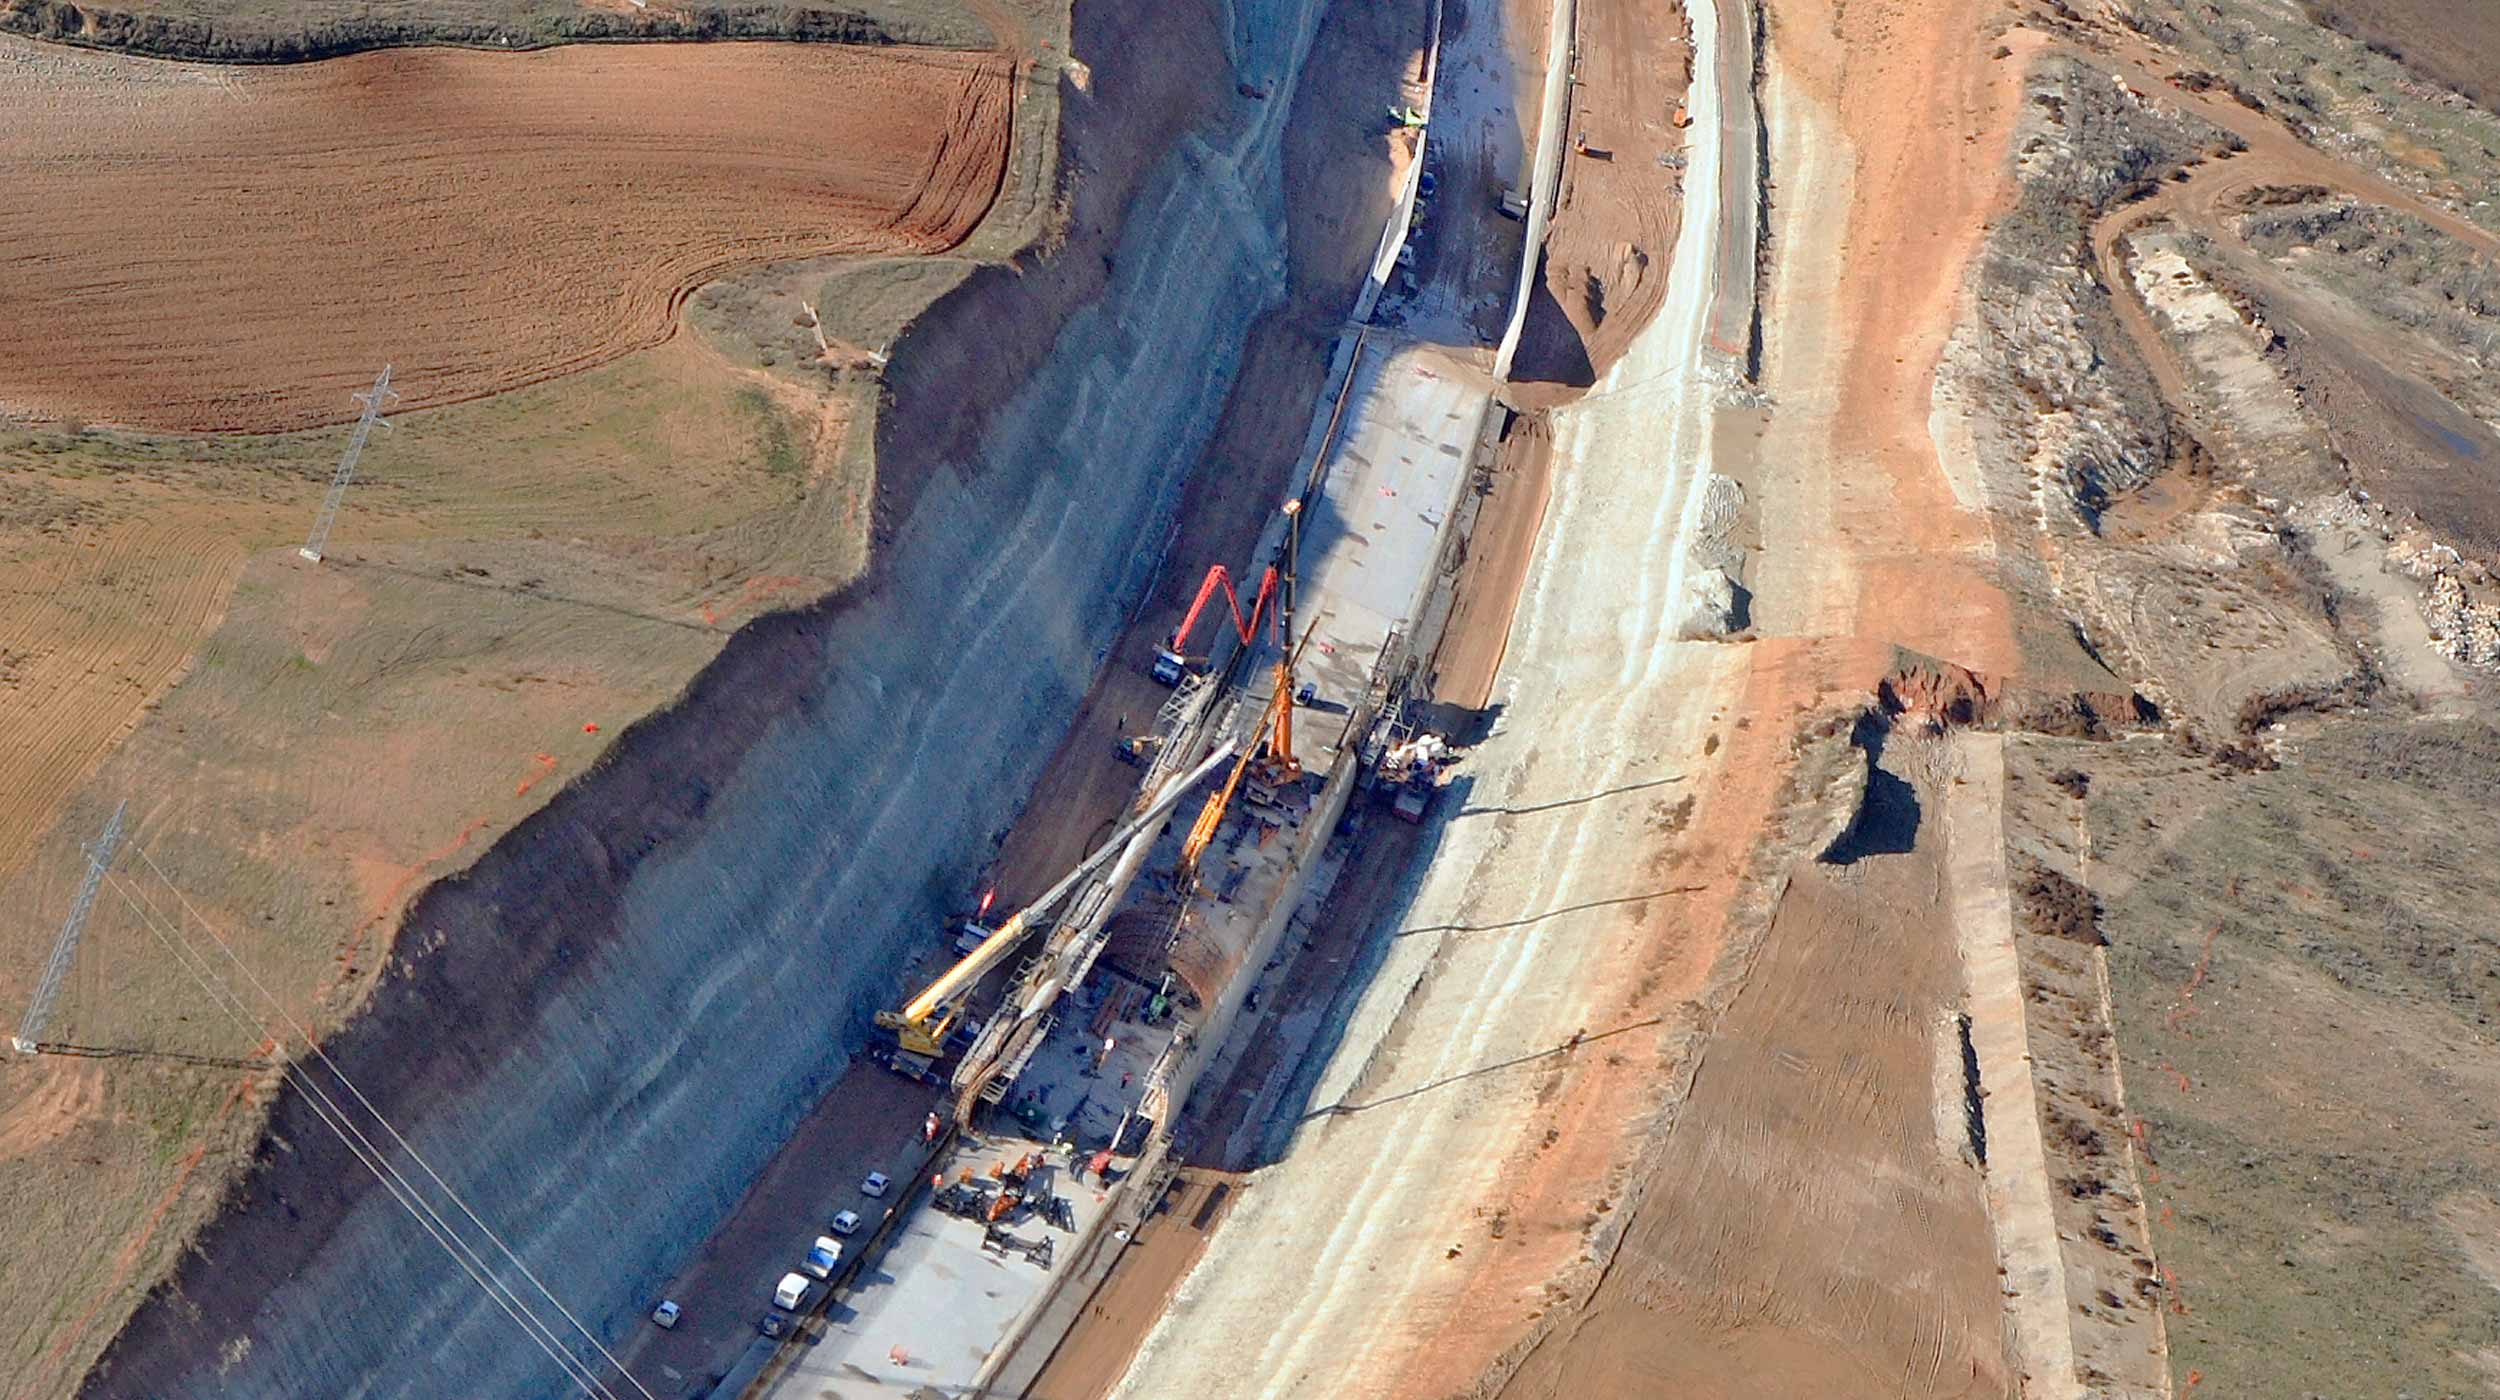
933 1308
1370 538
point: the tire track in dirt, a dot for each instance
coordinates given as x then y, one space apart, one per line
89 641
2203 199
68 1093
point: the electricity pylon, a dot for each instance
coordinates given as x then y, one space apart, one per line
29 1036
375 400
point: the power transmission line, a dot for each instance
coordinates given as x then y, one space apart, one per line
310 1043
395 1185
402 1192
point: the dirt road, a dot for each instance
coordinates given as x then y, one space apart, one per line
2208 196
1098 1349
238 249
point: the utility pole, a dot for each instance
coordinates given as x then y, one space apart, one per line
29 1036
375 400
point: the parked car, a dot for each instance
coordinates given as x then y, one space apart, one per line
821 1259
846 1223
792 1291
875 1184
775 1324
666 1314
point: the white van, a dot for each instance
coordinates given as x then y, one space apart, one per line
792 1292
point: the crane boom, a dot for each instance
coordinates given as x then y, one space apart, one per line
1211 816
1276 728
921 1026
1218 577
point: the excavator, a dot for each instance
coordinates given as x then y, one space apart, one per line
922 1026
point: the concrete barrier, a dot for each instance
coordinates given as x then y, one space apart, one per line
1545 180
1402 218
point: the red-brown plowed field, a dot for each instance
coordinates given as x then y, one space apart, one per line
238 250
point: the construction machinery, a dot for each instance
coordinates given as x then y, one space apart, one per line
1269 750
1412 773
1172 659
1270 747
921 1027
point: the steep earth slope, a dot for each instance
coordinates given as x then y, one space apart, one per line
751 869
1532 964
513 580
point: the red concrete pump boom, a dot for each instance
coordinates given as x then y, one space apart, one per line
1247 628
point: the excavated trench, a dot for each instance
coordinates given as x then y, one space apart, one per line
602 1031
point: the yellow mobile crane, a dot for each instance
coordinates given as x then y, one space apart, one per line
920 1028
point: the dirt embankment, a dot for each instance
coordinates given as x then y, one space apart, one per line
757 865
1891 128
240 250
1853 1259
1621 199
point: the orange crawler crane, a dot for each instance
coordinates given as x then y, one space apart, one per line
1270 746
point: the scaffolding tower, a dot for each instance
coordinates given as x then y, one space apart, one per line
375 400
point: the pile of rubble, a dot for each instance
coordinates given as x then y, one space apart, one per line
2460 596
2459 599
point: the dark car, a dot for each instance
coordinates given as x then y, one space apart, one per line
775 1324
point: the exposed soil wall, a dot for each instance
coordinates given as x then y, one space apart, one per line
606 1026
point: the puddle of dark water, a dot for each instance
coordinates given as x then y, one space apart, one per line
2456 443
